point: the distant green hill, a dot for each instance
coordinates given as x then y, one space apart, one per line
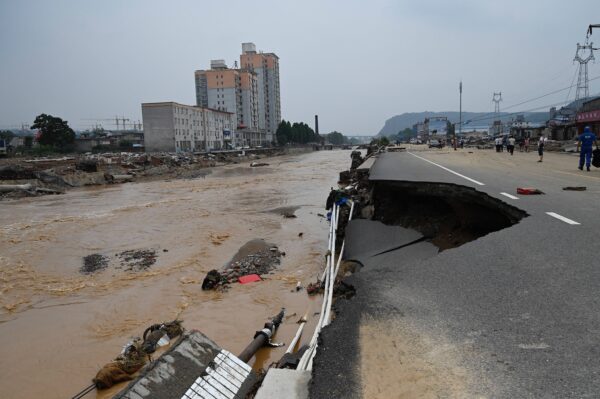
408 119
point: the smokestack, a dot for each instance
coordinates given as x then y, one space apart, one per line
317 124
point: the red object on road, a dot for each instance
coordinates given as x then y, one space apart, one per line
250 278
528 191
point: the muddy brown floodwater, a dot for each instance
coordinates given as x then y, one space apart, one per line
58 326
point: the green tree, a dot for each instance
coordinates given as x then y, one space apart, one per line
53 131
381 141
296 133
284 132
336 138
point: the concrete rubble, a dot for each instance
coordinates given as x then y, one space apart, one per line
40 176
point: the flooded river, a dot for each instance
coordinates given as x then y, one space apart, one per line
59 326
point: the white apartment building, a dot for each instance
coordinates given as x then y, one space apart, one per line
174 127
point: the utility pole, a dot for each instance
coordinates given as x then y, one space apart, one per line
496 98
583 83
459 109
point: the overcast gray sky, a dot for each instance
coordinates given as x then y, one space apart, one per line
355 63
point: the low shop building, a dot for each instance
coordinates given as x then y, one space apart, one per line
174 127
589 115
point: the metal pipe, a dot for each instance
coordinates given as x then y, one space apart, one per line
262 337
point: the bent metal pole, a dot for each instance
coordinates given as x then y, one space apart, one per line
262 337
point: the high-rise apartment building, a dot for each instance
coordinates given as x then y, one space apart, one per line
231 90
266 68
251 93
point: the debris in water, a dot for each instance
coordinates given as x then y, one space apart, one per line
137 260
255 257
212 280
250 278
315 288
256 164
300 234
123 367
93 263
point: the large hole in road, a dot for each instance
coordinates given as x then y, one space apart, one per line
447 214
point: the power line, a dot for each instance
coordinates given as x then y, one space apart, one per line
492 114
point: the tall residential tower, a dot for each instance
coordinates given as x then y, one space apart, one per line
266 68
251 93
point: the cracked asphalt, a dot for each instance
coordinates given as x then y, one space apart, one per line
511 314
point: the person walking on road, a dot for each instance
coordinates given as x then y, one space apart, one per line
526 144
498 143
511 145
541 144
586 141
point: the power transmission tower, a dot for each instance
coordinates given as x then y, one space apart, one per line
496 98
583 83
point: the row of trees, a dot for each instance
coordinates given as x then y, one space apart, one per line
301 133
296 133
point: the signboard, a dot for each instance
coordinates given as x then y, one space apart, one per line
226 133
591 116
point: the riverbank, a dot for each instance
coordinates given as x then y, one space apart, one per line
24 177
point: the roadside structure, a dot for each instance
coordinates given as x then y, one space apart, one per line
170 126
589 115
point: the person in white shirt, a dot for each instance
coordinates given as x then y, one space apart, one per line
511 145
541 144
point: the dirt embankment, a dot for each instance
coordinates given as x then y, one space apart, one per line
21 177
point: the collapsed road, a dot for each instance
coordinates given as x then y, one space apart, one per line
466 289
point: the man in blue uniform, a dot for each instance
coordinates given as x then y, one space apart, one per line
586 141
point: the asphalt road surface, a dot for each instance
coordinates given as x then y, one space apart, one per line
513 314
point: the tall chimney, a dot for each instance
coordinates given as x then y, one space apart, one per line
317 124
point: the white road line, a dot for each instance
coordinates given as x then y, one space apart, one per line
449 170
564 219
510 196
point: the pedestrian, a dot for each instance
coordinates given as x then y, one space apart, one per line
511 145
462 143
526 144
521 145
541 143
498 144
586 141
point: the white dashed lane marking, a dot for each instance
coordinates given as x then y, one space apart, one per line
562 218
448 170
510 196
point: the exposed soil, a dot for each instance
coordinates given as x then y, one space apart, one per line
447 214
399 362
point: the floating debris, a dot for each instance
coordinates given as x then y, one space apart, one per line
94 263
137 260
